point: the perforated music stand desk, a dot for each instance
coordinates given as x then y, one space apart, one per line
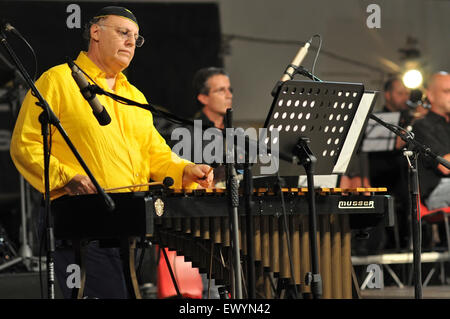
330 114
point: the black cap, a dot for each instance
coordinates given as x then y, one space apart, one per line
117 11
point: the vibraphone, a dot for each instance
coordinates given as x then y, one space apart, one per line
196 224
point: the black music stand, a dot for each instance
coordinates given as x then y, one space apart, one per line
312 121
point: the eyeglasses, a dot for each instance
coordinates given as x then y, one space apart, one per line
222 91
126 34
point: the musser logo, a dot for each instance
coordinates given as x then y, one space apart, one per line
356 204
209 146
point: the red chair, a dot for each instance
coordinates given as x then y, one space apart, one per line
433 217
188 279
436 216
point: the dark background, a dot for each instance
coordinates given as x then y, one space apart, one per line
179 39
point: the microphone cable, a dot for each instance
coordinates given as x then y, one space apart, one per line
11 29
317 55
96 89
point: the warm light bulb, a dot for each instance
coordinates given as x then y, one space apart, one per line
412 79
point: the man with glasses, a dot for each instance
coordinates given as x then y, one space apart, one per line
213 94
127 151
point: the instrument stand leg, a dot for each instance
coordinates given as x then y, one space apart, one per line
79 248
271 290
24 250
127 249
285 290
172 275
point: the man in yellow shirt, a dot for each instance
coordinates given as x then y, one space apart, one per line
128 151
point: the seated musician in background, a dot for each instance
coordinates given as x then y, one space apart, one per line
128 151
389 168
434 131
214 96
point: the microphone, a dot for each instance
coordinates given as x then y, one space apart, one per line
99 110
415 98
291 68
6 26
301 54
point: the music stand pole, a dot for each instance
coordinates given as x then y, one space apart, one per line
308 161
45 118
233 203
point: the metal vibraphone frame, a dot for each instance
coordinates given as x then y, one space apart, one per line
205 241
196 224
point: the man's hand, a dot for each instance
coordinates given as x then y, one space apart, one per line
442 168
201 174
80 184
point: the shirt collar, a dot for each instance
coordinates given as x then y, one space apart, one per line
94 71
436 117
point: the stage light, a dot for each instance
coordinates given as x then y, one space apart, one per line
412 79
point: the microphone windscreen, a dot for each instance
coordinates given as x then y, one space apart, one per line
415 96
103 117
168 181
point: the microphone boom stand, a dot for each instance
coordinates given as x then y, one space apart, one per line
233 203
414 148
45 118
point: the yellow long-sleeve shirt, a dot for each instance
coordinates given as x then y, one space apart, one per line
128 151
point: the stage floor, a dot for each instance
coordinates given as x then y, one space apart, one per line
393 292
26 286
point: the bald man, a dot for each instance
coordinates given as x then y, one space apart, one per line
434 131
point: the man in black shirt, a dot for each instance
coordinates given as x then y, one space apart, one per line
389 168
213 95
434 132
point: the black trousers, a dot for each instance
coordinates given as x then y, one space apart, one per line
104 272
